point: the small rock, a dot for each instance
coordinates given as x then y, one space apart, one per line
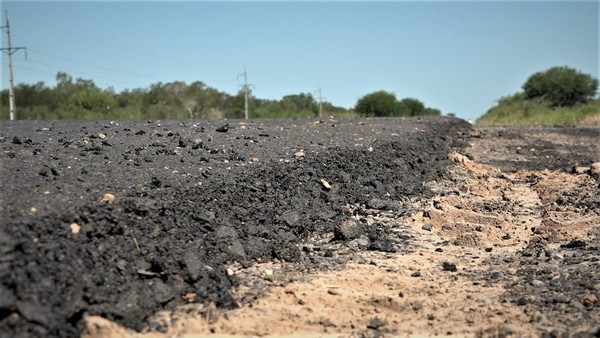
326 322
197 144
381 242
416 274
447 266
376 323
190 297
560 298
212 313
17 140
299 154
537 283
182 143
574 244
348 230
101 136
108 198
427 226
224 128
376 203
333 292
194 264
325 184
75 228
8 300
580 169
161 291
595 168
290 217
33 312
590 300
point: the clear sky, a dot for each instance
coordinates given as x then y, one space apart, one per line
459 57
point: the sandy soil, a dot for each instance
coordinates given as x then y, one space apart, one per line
507 247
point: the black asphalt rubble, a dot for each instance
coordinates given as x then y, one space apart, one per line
187 198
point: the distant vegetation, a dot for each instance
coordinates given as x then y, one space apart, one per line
559 95
82 99
382 103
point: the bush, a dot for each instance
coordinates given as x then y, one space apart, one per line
561 87
379 103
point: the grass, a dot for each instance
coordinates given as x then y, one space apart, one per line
514 110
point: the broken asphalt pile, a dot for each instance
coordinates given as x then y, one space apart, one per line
123 219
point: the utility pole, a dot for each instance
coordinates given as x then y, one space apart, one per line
320 104
246 89
10 51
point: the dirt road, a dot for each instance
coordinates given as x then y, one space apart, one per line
353 227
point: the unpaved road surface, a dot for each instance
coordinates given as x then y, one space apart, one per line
362 227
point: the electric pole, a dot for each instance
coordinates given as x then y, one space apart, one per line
246 88
11 83
320 104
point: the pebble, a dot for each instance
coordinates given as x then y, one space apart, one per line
17 140
333 292
224 128
291 217
595 168
75 228
427 226
537 283
197 144
108 198
376 323
590 300
416 274
376 203
447 266
560 298
348 230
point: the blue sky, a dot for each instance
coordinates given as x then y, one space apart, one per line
459 57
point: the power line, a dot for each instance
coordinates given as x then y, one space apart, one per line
10 51
81 73
123 48
91 65
31 69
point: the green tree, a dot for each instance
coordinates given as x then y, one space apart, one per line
296 103
561 86
414 107
379 103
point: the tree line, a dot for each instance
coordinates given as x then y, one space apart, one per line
82 99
